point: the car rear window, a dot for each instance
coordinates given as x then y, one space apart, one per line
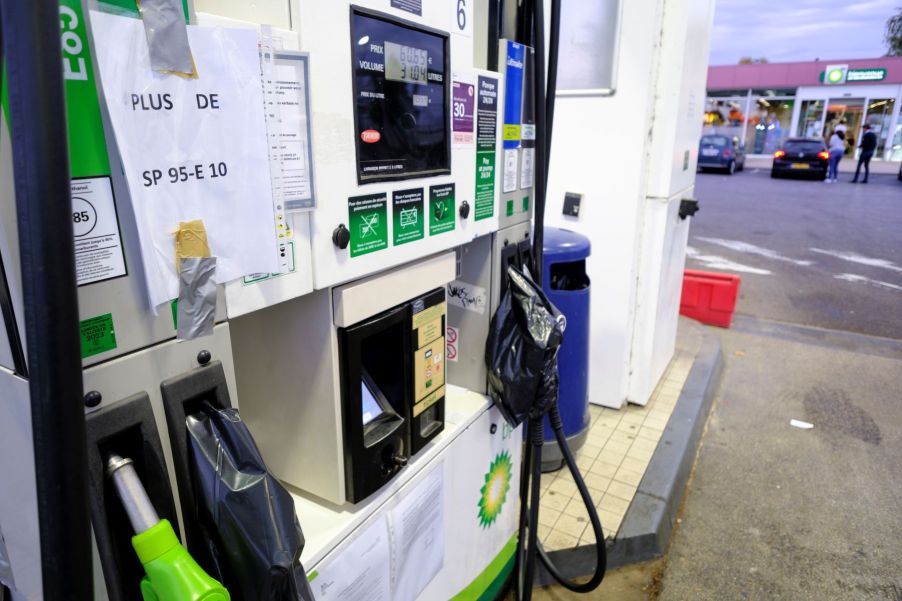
720 141
804 147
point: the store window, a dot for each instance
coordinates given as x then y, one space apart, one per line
724 116
769 125
846 114
879 117
810 115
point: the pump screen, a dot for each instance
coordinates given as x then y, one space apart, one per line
371 407
401 99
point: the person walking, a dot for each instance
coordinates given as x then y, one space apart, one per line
868 146
837 150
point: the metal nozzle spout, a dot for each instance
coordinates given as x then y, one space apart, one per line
140 510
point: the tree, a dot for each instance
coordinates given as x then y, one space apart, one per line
893 34
748 60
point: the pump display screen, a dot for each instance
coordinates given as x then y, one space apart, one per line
370 406
401 93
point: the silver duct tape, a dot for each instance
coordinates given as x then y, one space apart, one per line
167 36
6 568
197 297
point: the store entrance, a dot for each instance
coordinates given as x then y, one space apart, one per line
845 114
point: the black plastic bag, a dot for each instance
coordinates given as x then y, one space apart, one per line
521 350
246 515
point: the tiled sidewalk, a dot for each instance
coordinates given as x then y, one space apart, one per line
613 461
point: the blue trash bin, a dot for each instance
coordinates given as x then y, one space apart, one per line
567 286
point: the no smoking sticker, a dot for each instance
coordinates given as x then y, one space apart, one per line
451 336
95 226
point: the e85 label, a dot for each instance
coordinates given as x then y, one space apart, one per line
183 173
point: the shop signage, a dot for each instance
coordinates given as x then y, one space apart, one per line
840 74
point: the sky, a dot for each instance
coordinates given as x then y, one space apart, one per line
799 30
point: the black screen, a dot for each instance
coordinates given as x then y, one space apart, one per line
401 99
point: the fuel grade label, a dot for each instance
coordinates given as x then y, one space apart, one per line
95 226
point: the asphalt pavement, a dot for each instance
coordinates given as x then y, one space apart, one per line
775 511
826 255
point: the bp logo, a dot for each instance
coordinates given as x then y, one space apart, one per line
494 491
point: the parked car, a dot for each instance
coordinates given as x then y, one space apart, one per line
801 156
720 152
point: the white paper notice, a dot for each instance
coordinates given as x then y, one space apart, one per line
360 571
510 170
288 123
191 148
95 224
527 168
418 536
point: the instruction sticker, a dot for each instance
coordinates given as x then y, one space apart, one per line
462 103
368 222
486 136
441 209
407 212
511 166
527 167
95 225
97 335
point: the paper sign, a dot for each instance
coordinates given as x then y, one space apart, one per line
191 148
418 536
95 225
360 570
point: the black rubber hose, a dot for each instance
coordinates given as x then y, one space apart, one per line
600 549
551 87
525 479
541 176
44 214
536 440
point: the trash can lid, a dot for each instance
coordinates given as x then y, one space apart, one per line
562 245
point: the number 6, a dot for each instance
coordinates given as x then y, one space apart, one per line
461 14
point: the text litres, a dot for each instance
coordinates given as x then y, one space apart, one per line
163 102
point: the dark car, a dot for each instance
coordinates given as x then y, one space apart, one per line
807 157
720 152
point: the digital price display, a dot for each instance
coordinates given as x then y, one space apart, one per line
401 91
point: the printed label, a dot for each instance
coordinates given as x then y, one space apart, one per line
527 167
95 225
509 183
486 136
286 252
451 337
411 6
407 212
441 209
462 103
97 335
528 131
368 223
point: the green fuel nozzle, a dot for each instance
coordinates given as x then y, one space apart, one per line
171 572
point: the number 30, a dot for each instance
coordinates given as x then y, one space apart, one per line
461 14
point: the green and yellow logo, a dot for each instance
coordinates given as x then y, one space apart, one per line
494 491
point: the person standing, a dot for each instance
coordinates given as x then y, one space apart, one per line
868 146
837 148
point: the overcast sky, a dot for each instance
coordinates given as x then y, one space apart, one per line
799 30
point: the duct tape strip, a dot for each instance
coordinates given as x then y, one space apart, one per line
6 568
197 297
167 37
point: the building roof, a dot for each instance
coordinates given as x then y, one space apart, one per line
794 75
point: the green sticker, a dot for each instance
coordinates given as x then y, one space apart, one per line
174 305
368 222
407 215
525 203
510 207
441 209
97 335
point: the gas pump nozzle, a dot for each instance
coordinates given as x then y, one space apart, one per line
171 572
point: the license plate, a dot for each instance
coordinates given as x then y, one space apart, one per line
800 165
709 152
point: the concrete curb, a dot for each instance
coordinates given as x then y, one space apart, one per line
648 524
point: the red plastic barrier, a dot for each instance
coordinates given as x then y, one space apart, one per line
709 297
